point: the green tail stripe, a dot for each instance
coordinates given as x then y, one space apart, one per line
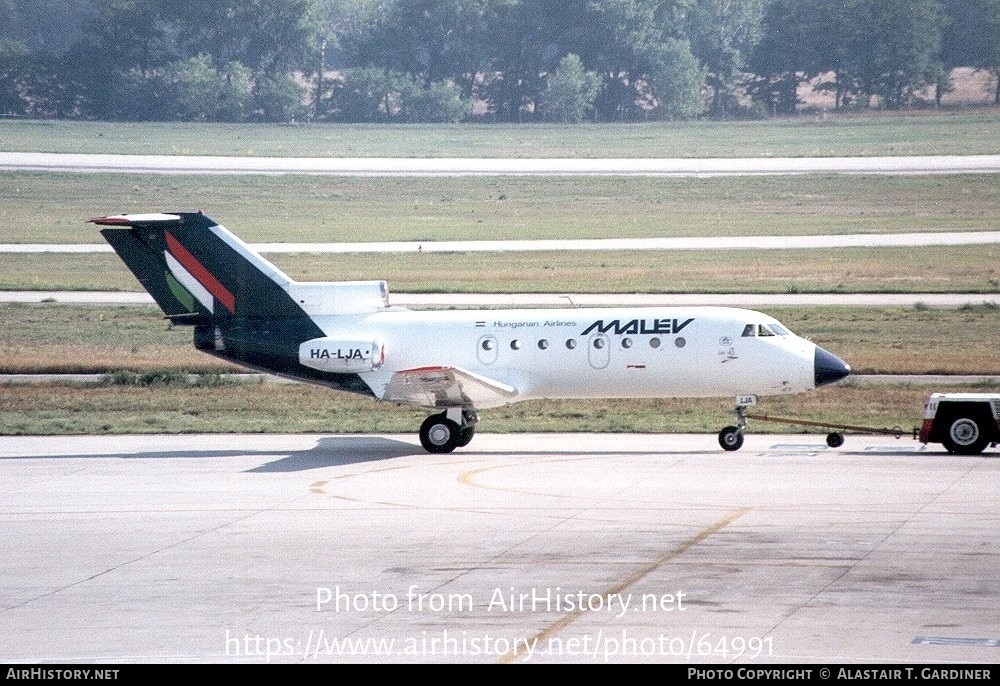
183 296
148 265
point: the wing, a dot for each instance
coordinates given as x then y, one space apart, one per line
447 387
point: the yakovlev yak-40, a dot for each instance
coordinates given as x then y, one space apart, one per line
345 335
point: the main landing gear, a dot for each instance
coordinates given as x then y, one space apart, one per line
453 428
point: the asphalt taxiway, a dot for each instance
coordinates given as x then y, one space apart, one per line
470 166
810 242
537 548
452 166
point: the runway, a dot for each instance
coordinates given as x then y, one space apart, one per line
454 166
519 548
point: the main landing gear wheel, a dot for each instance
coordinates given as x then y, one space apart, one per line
465 436
731 438
438 434
835 439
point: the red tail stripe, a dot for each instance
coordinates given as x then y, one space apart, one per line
204 277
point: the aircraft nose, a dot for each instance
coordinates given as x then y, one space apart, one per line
829 367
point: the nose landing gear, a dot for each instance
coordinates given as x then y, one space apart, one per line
731 437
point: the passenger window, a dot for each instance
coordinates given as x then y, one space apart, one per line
543 344
626 342
488 344
515 345
654 342
570 343
598 343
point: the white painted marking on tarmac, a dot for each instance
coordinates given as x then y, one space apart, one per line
895 448
794 450
798 446
956 641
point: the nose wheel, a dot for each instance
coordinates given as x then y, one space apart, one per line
731 437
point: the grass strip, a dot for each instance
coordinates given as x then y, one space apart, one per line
53 207
172 405
947 132
939 269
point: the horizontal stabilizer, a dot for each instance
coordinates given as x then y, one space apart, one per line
136 219
447 387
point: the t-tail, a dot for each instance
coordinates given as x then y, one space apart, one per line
196 270
243 307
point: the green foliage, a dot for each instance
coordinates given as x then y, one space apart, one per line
570 91
897 47
978 34
204 93
366 95
722 34
439 102
147 379
41 24
886 50
674 80
13 68
277 99
786 55
172 378
372 94
421 61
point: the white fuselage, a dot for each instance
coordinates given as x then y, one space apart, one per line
655 352
345 335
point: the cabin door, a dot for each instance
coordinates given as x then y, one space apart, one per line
599 351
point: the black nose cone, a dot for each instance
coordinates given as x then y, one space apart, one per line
829 367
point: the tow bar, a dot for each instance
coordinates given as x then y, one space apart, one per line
835 439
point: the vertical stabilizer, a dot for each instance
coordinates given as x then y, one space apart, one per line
196 270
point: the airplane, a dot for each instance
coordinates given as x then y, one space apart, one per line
347 336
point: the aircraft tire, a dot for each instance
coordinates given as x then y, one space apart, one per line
835 439
731 438
465 436
966 435
438 434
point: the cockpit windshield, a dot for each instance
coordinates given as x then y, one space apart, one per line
763 330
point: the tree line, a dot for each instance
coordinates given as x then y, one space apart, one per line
503 60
